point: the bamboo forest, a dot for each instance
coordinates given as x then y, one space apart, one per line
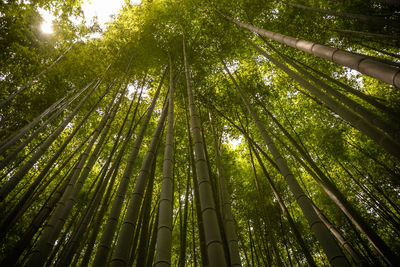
200 133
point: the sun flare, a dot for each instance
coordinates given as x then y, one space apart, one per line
47 27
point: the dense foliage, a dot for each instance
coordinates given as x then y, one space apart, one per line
284 155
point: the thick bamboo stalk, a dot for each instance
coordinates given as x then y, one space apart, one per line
386 142
366 114
123 246
378 70
332 250
109 230
215 249
199 216
164 230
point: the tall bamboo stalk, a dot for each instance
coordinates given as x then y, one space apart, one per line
376 69
328 243
109 230
121 253
164 230
215 250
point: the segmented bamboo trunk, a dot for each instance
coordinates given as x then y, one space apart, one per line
203 248
109 230
366 114
164 230
370 99
143 245
113 172
337 197
226 211
26 238
17 177
75 240
183 231
20 207
215 250
328 243
121 253
340 238
284 209
386 142
153 241
378 70
64 206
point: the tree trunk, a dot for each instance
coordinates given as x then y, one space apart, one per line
285 211
125 236
333 252
378 70
225 203
203 248
58 218
153 240
17 212
340 238
109 230
164 229
369 99
386 142
145 232
215 249
367 115
183 232
17 177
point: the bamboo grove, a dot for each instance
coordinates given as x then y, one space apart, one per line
201 133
